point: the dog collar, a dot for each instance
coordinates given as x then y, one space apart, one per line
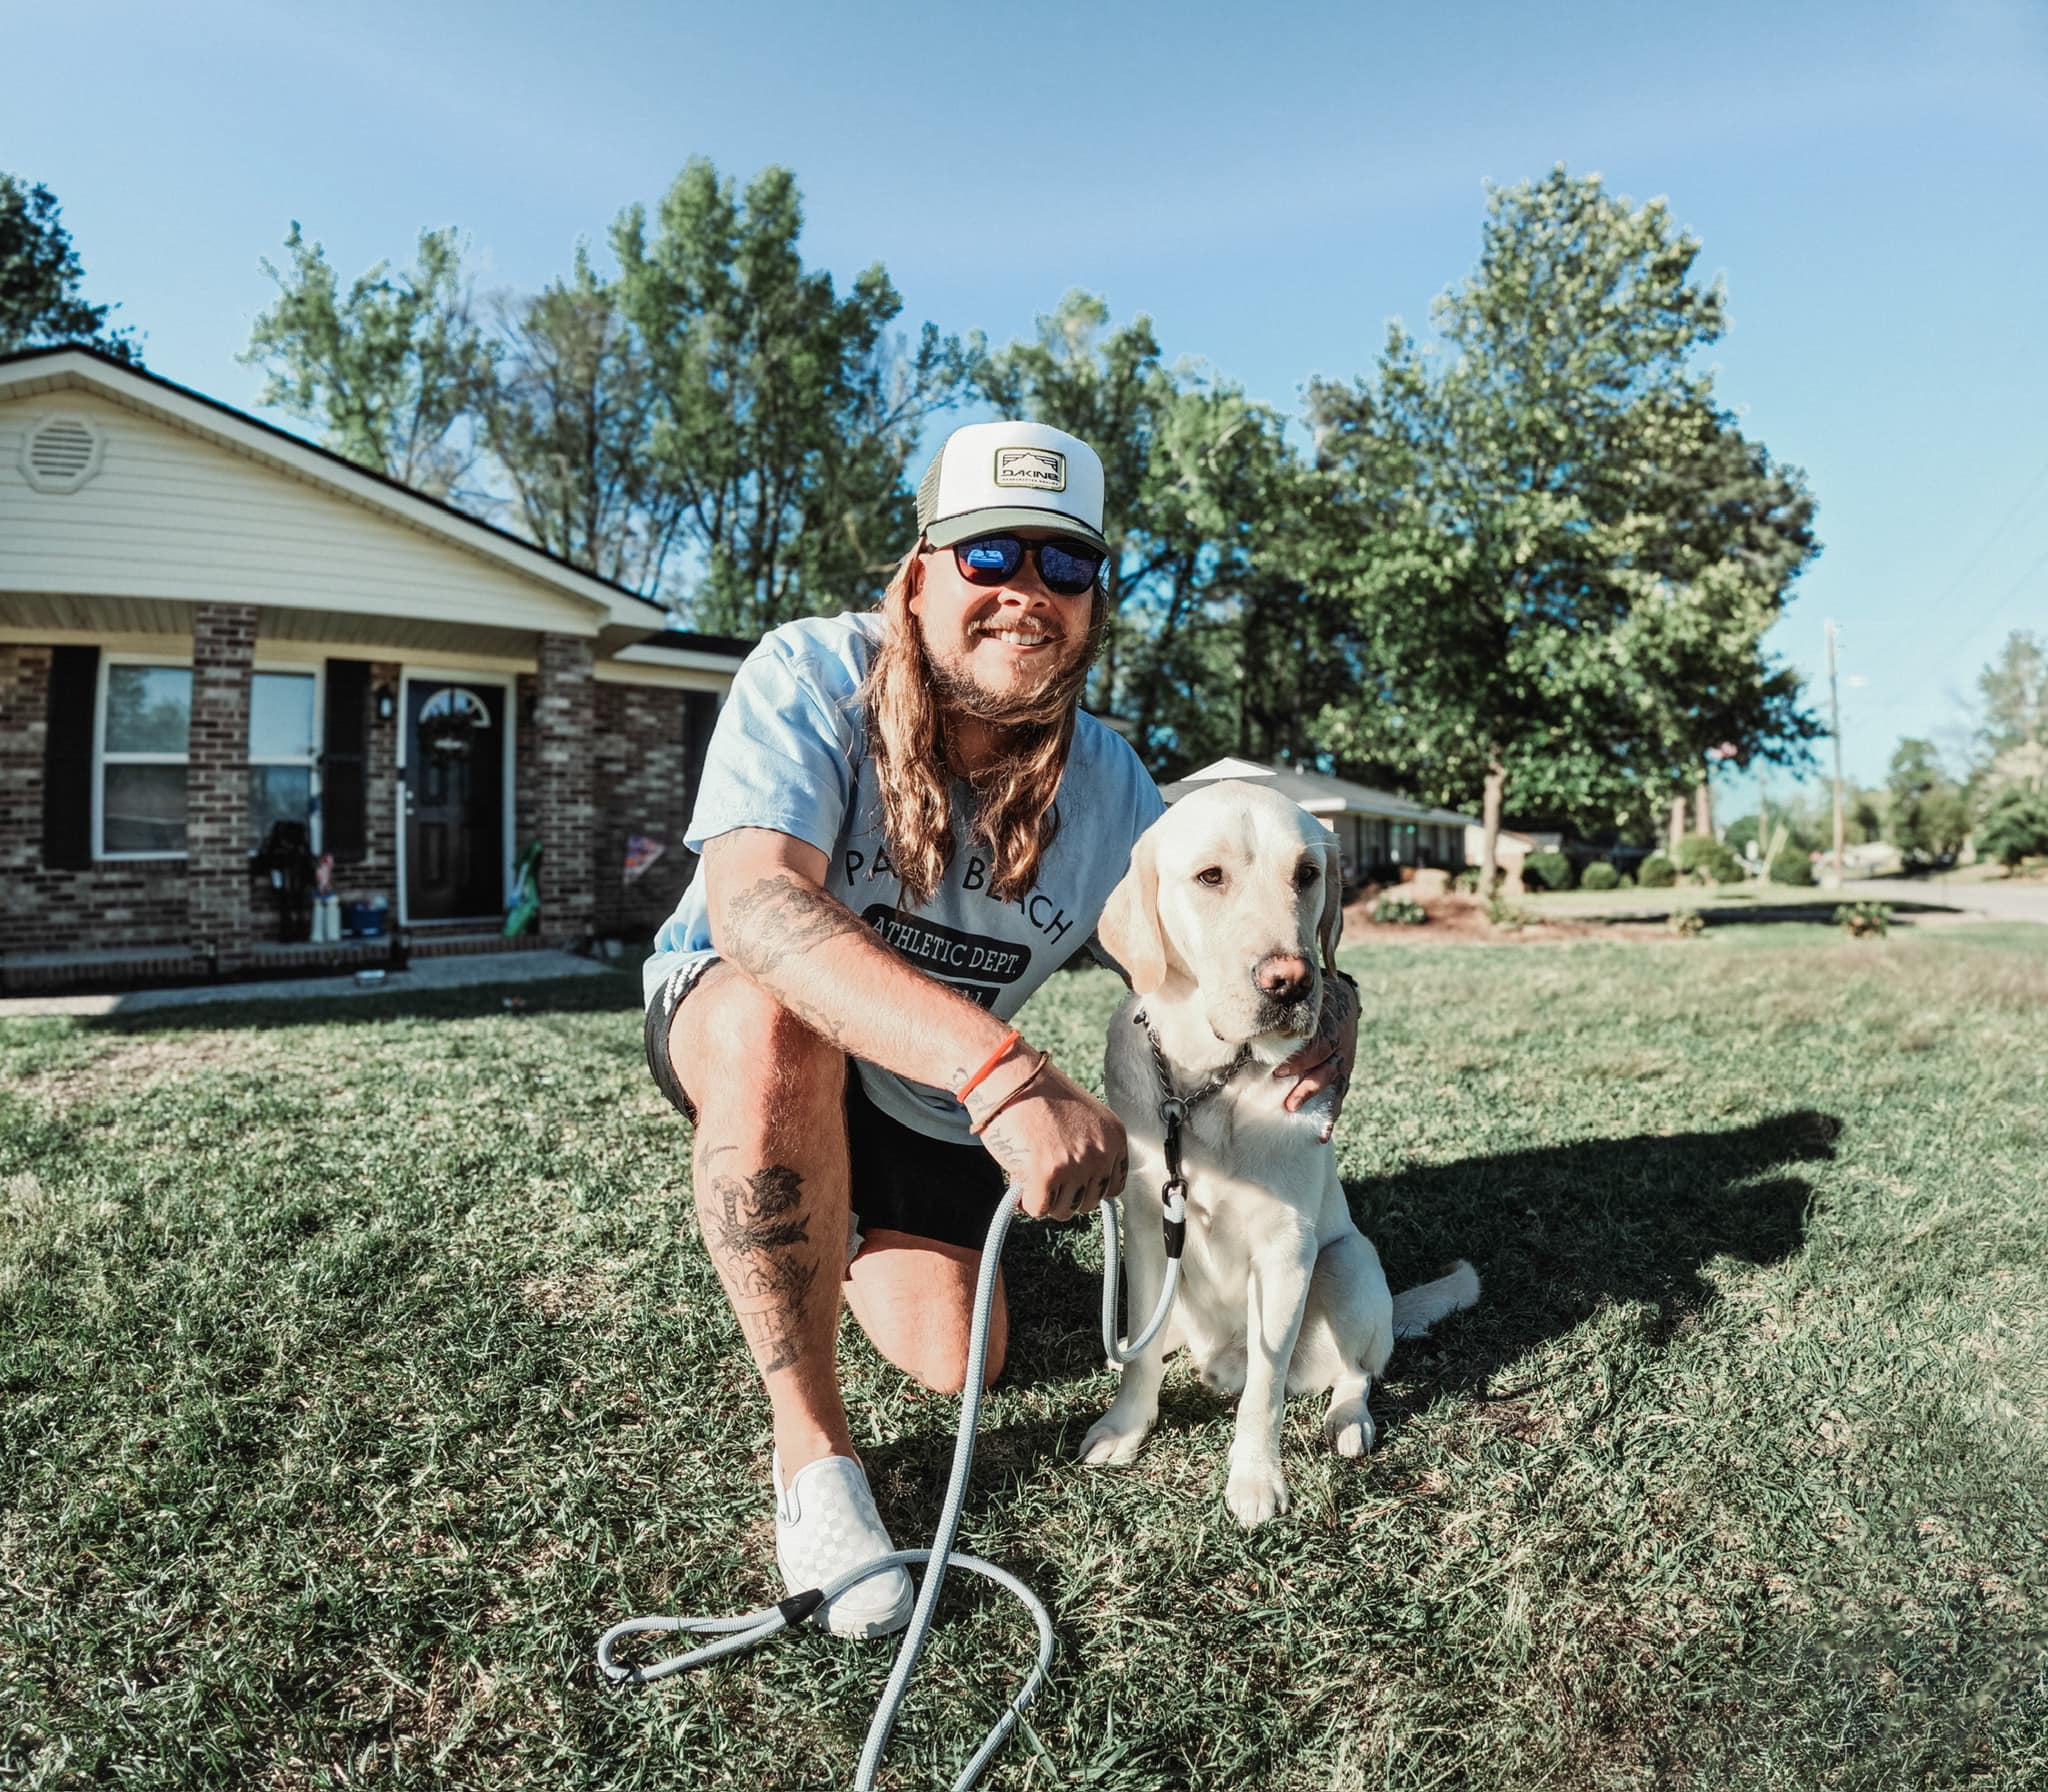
1174 1109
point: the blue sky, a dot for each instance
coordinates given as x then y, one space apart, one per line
1271 189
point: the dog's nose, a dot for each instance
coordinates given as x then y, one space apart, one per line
1284 976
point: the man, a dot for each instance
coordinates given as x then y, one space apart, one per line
906 825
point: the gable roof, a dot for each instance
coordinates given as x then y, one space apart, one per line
1319 793
31 372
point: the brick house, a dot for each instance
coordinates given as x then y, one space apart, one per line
209 626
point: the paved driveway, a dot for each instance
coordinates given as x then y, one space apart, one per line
2023 899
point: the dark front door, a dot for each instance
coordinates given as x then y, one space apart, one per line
455 800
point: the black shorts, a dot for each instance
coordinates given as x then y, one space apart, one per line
903 1180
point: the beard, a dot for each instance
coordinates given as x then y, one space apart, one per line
1056 693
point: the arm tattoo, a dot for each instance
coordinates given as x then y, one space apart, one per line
781 918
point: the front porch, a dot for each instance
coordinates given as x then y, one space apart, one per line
174 967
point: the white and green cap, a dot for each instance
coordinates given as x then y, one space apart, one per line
993 476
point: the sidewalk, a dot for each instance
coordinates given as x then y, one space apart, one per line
476 972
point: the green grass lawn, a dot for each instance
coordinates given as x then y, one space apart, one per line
361 1364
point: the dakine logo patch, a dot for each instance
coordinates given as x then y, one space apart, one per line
1042 469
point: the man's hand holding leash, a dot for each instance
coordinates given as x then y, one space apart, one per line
1062 1148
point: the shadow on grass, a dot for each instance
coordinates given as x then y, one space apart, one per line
1559 1232
1807 914
1555 1234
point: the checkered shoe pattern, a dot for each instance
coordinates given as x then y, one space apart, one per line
826 1523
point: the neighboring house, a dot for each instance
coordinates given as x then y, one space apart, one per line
208 626
1378 834
1511 845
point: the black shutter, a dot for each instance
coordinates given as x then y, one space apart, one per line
700 717
344 761
67 759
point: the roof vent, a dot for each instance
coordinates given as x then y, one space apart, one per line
59 454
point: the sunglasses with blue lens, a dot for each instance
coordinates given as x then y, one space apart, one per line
1067 567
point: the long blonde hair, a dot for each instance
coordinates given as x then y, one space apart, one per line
905 700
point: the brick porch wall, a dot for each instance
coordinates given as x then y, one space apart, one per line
130 902
217 788
376 872
560 801
643 787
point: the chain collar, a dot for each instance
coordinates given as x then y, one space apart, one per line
1174 1108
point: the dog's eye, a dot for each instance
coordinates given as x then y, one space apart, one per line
1306 873
1213 876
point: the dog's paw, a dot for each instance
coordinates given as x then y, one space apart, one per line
1224 1372
1256 1492
1111 1442
1349 1428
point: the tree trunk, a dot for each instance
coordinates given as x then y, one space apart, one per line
1677 829
1703 808
1489 817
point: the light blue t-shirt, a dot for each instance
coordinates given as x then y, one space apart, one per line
789 754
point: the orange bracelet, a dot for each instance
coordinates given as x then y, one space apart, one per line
994 1058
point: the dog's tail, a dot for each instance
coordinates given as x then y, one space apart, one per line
1420 1308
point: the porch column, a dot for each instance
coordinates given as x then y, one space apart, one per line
217 783
564 811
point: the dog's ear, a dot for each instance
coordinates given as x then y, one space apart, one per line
1129 929
1333 905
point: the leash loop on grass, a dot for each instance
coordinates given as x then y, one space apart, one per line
738 1635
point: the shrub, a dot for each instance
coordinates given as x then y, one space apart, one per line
1656 872
1547 870
1600 876
1705 860
1398 911
1506 915
1864 920
1792 867
1467 880
1685 922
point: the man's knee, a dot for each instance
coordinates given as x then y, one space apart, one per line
733 1043
940 1362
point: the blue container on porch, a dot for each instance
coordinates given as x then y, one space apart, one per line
366 920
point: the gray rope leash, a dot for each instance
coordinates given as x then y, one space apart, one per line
755 1628
738 1635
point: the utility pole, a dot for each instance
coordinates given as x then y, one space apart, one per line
1835 708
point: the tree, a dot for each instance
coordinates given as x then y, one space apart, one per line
1215 644
40 277
569 418
2014 733
785 416
2015 827
1559 551
1929 816
394 372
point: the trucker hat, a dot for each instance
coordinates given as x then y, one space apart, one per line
992 476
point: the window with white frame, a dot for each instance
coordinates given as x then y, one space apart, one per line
145 721
282 716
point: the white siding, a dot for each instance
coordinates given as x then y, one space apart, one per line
172 516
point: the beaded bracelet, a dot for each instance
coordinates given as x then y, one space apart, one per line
979 1126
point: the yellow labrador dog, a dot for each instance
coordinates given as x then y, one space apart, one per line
1219 922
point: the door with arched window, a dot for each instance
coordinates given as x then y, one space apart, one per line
455 800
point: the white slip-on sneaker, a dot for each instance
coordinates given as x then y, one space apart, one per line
826 1523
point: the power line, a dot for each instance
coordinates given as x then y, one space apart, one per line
2026 500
